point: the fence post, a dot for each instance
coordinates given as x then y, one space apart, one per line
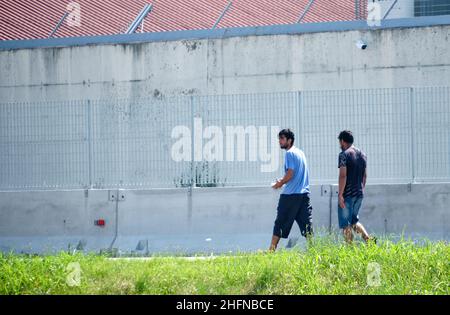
192 184
90 143
356 9
412 122
191 179
300 120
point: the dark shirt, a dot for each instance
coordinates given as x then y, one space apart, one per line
356 162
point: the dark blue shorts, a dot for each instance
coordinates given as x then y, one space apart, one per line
295 207
350 214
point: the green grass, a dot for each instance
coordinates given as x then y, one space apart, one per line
326 267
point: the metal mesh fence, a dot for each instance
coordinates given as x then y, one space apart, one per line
43 145
131 142
222 140
379 120
431 7
247 126
431 134
398 8
324 11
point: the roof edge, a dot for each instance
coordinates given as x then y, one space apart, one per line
284 29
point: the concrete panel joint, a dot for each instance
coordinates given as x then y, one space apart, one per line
116 195
325 190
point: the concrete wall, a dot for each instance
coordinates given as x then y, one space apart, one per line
206 220
216 219
395 57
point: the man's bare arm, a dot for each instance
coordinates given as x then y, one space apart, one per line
287 177
342 182
342 179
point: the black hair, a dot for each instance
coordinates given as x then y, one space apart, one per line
288 134
346 136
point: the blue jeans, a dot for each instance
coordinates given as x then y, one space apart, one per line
349 215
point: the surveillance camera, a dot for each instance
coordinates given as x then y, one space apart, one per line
361 44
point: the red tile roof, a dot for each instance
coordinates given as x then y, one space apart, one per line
37 18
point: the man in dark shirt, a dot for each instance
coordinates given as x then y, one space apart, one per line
352 181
